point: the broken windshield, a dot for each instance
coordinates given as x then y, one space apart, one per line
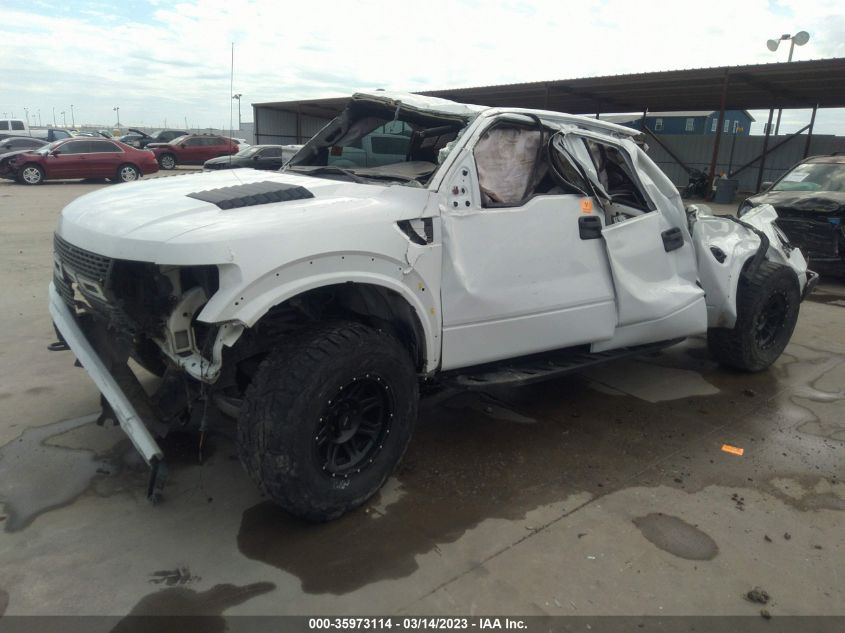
380 142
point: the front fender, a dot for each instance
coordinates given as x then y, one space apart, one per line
739 245
246 304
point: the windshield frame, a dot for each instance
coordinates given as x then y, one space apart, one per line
318 147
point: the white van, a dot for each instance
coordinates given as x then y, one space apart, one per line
14 127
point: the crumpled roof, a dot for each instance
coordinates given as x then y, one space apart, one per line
434 105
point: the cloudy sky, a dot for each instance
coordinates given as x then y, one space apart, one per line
166 60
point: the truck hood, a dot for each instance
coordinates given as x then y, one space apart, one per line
155 220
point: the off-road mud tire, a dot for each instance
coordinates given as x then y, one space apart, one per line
294 388
741 347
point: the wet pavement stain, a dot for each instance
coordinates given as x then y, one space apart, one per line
466 465
676 536
36 477
827 298
4 602
204 609
39 473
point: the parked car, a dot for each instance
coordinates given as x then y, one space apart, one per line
256 157
13 143
502 246
83 158
16 127
50 134
134 139
192 149
810 203
11 147
97 134
143 139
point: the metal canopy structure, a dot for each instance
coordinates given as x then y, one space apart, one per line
802 84
814 84
755 87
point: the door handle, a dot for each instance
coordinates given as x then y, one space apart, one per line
589 227
673 239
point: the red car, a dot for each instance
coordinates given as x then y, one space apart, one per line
193 149
83 157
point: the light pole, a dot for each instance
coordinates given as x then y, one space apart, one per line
800 38
26 112
238 97
72 120
39 118
54 117
117 109
64 119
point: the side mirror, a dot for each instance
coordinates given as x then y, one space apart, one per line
256 157
56 152
766 185
182 146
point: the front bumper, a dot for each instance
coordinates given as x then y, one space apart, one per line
127 416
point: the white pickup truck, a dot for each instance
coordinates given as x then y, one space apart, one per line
501 246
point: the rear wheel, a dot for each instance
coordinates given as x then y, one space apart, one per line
31 175
167 161
767 311
327 418
127 173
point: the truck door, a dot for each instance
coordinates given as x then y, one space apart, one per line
649 248
524 266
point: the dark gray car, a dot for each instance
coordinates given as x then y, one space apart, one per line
810 203
254 156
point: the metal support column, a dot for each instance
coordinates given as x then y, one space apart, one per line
298 125
765 149
718 138
810 131
642 121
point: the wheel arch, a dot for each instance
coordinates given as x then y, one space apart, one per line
398 300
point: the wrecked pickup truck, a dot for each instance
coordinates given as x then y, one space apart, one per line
498 246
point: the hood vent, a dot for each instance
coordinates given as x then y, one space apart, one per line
252 194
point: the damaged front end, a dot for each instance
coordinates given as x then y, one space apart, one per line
110 310
728 248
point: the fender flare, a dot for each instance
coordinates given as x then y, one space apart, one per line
248 304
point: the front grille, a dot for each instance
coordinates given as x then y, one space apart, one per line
75 265
815 239
82 262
